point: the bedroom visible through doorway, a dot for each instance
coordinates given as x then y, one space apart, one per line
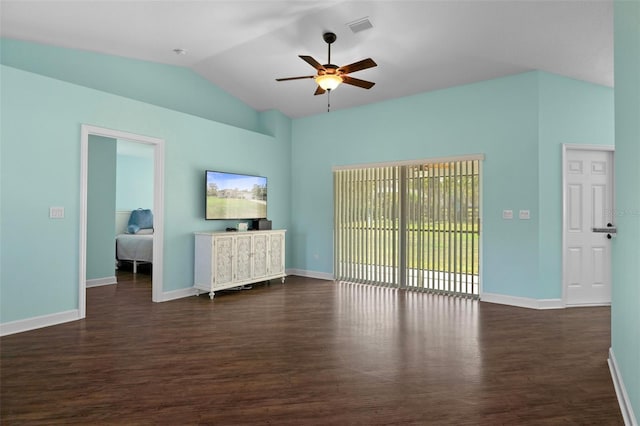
101 138
134 206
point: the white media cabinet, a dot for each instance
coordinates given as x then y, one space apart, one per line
225 260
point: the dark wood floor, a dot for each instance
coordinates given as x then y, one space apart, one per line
309 352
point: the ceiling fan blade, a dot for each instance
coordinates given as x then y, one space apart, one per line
357 82
312 62
358 66
319 91
295 78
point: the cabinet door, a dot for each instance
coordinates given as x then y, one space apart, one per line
243 258
276 254
260 255
223 260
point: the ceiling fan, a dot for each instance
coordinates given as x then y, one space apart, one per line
330 76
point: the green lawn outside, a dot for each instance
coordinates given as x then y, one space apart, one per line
427 248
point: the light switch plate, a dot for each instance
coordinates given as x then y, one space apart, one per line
507 214
56 212
525 214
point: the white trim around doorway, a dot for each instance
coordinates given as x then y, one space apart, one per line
158 207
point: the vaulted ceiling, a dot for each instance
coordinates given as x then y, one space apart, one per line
243 46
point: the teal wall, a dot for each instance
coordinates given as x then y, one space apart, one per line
571 112
41 119
101 206
497 118
169 86
134 178
512 120
40 168
625 308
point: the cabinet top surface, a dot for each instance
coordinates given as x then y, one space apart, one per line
269 231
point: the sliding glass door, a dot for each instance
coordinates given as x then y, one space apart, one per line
410 225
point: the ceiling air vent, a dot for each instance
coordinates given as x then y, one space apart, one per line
360 25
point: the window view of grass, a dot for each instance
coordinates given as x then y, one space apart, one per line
445 249
427 248
428 212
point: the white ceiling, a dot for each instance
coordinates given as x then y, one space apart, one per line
243 46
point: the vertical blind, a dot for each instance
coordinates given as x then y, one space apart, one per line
366 208
413 226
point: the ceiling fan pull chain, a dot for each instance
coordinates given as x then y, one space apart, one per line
328 100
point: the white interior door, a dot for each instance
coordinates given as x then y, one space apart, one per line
588 204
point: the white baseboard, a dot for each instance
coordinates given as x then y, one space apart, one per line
19 326
178 294
97 282
550 304
522 302
310 274
621 392
588 305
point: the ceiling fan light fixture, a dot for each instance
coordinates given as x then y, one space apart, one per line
328 81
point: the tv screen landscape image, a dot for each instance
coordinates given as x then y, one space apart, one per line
235 196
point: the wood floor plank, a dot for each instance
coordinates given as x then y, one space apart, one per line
309 352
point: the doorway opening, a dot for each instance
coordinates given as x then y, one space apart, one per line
158 203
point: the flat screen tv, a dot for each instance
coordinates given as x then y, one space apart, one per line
235 196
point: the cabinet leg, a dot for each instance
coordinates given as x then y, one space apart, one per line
212 295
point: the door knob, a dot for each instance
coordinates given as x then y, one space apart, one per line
609 229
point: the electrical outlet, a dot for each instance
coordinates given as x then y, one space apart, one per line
507 214
524 214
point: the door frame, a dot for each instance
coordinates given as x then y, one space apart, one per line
581 147
158 207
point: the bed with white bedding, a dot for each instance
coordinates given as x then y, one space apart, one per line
132 247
